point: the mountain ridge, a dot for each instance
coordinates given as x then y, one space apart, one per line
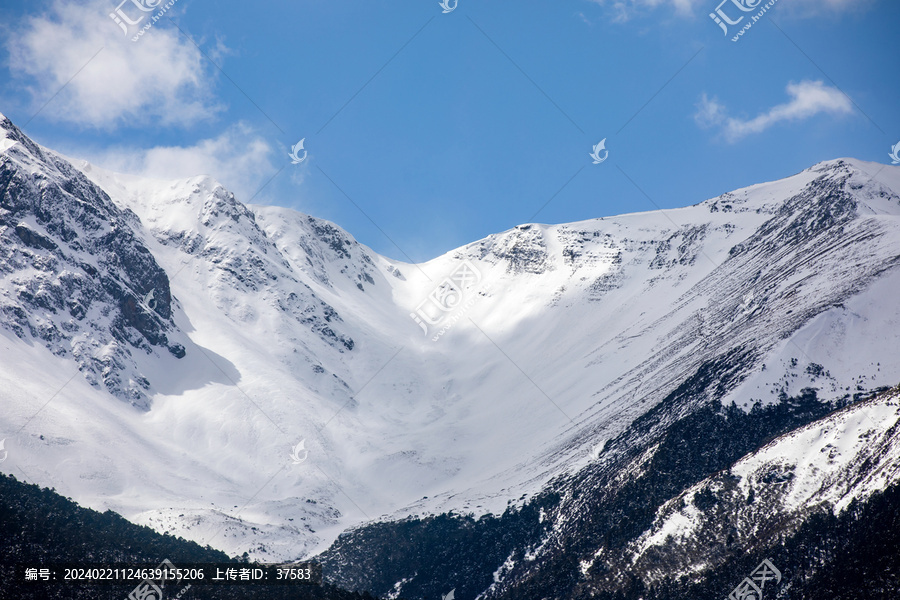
542 345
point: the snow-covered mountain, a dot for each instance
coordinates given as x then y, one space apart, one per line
165 348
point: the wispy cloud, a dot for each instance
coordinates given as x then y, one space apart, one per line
807 99
162 78
814 8
583 18
624 10
239 159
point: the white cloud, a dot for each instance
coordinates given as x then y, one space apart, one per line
808 99
162 78
239 159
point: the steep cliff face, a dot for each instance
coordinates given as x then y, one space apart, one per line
77 276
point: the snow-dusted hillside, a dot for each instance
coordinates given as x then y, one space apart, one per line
770 493
460 383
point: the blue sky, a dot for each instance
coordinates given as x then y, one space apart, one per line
427 130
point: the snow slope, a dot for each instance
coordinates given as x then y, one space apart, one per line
560 337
